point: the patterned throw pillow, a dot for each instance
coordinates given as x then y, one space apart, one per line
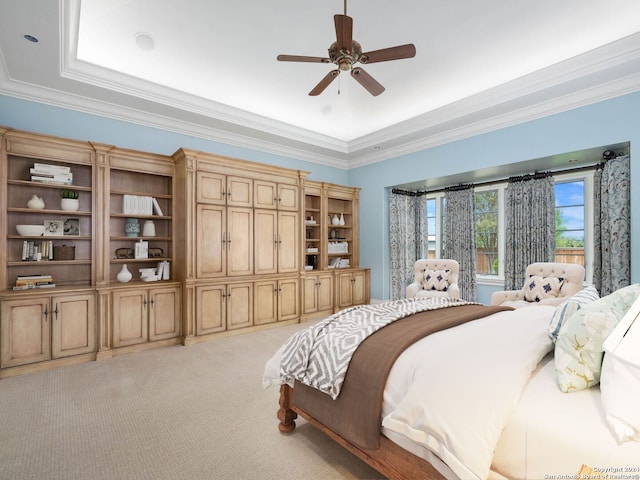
436 280
579 348
569 306
537 288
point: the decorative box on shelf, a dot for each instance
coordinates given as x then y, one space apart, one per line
338 247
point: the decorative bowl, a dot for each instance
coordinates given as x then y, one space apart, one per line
30 230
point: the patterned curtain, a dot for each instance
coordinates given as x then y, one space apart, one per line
407 238
530 225
460 237
612 226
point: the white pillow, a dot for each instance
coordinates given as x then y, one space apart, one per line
620 377
538 288
436 280
569 306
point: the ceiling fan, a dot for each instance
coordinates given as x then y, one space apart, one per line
345 52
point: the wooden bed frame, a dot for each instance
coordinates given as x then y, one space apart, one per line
390 460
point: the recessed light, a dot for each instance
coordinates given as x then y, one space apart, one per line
30 38
145 41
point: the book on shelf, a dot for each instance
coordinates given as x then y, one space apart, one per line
156 207
49 168
54 174
34 281
29 287
137 205
37 250
56 180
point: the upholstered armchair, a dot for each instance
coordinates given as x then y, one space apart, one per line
546 283
434 278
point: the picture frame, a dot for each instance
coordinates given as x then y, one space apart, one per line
141 249
71 227
53 228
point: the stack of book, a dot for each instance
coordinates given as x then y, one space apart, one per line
33 251
34 281
55 174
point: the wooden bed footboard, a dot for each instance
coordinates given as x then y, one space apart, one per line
390 460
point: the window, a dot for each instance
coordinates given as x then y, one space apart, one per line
574 225
570 221
431 228
487 232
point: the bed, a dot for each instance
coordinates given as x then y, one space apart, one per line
473 397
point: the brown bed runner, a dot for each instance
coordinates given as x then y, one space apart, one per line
355 414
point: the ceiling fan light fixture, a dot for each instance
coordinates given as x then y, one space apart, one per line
345 52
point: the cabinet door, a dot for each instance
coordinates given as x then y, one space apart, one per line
265 245
130 325
25 330
211 188
211 241
239 241
239 191
265 194
344 290
325 291
265 297
358 289
239 305
288 242
211 309
288 299
164 312
310 293
288 197
73 325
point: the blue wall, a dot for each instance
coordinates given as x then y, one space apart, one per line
609 122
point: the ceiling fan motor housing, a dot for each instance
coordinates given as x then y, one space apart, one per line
344 58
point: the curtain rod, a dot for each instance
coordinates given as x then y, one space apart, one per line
463 186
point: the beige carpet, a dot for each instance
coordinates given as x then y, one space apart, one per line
196 412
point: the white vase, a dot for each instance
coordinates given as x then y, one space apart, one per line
124 275
35 203
335 220
69 204
149 229
341 219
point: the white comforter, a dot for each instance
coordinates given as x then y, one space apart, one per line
454 391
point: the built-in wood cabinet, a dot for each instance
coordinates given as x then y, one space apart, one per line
41 328
317 294
223 241
276 300
222 307
332 278
241 227
352 288
245 246
21 152
149 314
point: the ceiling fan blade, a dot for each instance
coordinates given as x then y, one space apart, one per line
367 81
302 58
391 53
344 32
324 83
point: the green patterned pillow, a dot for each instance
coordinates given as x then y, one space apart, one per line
579 351
569 307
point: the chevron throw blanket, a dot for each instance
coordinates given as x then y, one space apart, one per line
319 356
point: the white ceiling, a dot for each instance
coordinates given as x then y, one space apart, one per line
208 67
